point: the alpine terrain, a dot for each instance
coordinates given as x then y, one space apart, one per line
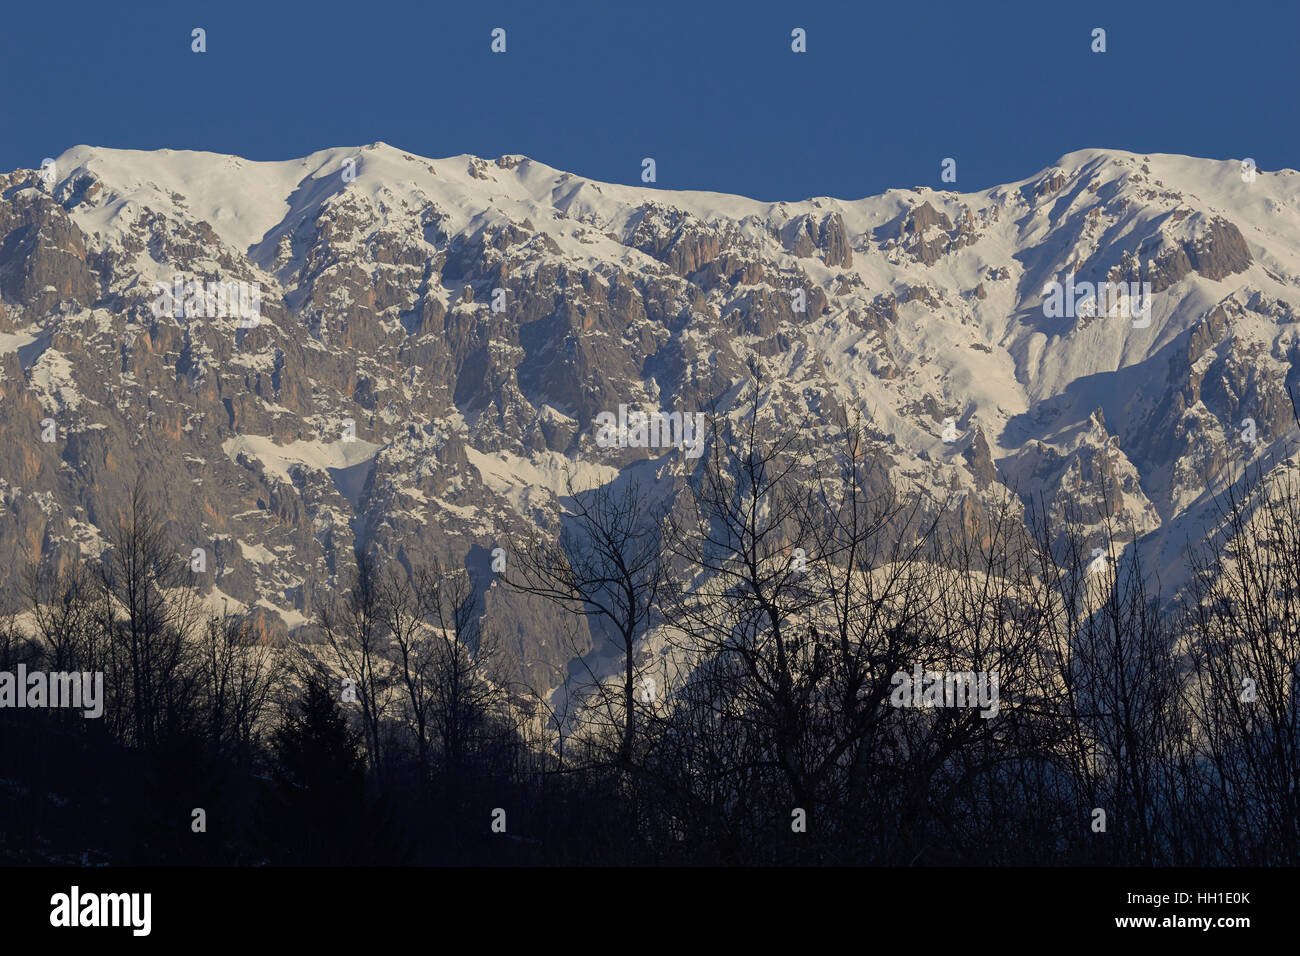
426 351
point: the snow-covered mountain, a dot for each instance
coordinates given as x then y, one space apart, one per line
435 340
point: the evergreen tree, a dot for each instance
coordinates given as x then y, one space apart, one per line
314 811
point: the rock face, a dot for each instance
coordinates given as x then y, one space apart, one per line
434 340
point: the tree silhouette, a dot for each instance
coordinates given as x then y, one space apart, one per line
315 813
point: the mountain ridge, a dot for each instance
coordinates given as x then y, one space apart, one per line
378 296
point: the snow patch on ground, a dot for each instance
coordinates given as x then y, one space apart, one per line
347 462
13 341
52 378
513 476
276 459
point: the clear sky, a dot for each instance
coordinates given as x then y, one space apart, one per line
710 88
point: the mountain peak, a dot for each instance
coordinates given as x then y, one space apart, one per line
429 330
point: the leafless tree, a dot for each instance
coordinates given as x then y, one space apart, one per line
1113 652
238 677
443 661
61 601
737 590
152 611
605 566
359 640
463 691
1242 619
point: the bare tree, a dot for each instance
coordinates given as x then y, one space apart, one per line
462 692
63 614
358 637
238 677
738 591
443 660
1242 618
605 566
151 610
1113 652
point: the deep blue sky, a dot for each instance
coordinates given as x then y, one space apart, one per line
709 88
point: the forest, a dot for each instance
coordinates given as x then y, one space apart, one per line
758 610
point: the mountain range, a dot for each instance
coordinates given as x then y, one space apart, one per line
436 341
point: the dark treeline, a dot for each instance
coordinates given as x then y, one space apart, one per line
756 614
